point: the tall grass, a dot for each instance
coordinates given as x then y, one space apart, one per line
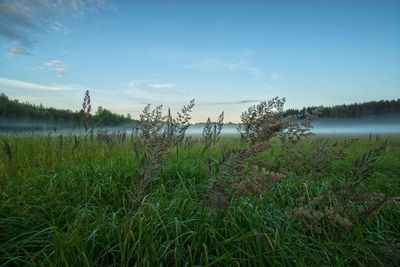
74 202
161 198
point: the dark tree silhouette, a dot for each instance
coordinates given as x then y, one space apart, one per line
14 111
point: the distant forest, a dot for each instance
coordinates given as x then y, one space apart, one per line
13 110
356 110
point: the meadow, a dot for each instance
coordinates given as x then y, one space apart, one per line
276 196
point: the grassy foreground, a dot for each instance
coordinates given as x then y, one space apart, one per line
67 202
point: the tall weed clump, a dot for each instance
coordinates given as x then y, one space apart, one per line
344 206
237 174
85 111
156 138
260 123
212 131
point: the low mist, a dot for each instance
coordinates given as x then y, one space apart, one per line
385 124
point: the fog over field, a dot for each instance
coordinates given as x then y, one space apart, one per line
384 124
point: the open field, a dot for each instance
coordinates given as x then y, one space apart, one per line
79 201
199 133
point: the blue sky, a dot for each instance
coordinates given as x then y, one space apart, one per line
227 55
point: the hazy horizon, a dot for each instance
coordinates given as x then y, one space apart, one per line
373 124
227 55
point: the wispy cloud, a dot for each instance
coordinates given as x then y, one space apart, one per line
233 102
17 51
22 22
57 66
153 85
80 6
142 82
36 86
163 85
150 90
58 27
141 95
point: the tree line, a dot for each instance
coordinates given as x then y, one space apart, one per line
355 110
14 111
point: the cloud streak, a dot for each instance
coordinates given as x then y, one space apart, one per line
163 85
35 86
234 102
146 90
57 66
17 51
142 82
58 27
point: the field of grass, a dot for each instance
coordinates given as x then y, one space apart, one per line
76 202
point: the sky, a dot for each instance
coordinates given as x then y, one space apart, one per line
227 55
